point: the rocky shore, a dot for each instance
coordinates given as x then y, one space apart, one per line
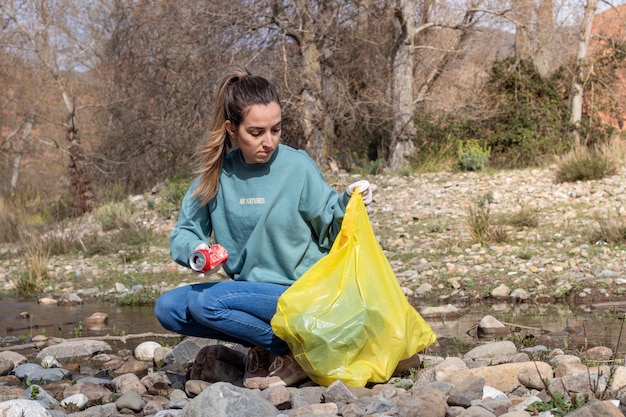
421 221
86 378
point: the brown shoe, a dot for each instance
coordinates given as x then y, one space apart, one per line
257 361
284 371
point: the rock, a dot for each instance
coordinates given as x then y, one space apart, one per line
596 408
519 294
448 311
96 320
428 403
491 350
501 291
20 407
131 400
47 301
161 354
69 299
131 366
93 392
278 396
128 382
502 377
145 351
489 325
14 357
226 400
187 350
74 349
78 401
598 353
466 391
6 366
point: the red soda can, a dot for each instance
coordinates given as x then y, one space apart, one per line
204 260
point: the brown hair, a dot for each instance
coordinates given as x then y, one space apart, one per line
237 92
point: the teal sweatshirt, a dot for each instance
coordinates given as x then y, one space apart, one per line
275 219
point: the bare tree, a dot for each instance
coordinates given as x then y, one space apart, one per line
46 29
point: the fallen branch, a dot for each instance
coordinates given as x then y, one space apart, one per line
123 339
526 327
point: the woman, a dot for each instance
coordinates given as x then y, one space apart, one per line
274 213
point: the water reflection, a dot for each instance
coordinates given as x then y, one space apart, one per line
555 326
551 325
24 318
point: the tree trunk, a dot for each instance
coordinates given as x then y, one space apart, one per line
545 35
81 195
523 17
582 69
27 128
403 132
311 101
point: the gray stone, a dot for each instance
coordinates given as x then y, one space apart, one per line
129 382
22 407
466 391
226 400
6 366
491 350
476 411
596 408
339 393
74 349
131 400
185 352
489 325
106 410
14 357
178 403
35 392
306 396
429 403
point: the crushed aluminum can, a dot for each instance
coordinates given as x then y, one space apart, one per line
204 260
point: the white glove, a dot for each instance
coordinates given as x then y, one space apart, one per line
364 187
210 271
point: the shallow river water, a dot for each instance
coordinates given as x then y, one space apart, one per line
550 325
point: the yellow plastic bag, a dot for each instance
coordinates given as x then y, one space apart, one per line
347 318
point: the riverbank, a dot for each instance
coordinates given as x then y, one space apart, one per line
541 249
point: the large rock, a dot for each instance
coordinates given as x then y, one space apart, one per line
502 377
73 349
492 350
20 408
226 400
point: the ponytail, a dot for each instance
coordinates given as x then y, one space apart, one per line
237 91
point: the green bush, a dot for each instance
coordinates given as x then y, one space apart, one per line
472 155
116 215
175 191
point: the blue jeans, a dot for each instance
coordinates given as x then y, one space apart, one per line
232 311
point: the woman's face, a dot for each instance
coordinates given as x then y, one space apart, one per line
259 133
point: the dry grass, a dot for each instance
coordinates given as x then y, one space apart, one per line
584 164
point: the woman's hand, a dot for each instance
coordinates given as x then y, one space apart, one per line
364 187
